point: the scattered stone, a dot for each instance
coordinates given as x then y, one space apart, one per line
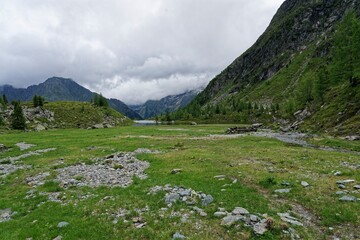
114 170
171 198
286 190
207 200
357 186
345 181
58 238
240 211
2 147
37 152
37 180
145 150
62 224
305 184
340 192
348 198
261 227
289 219
203 214
338 173
5 215
6 169
24 146
177 235
341 186
176 170
286 184
193 123
173 194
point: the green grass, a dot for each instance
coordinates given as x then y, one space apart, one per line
259 165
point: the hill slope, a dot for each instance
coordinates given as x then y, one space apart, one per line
297 64
170 103
61 89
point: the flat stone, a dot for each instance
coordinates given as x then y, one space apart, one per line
357 186
219 176
207 200
177 235
62 224
5 215
58 238
341 186
240 211
220 214
340 192
345 181
260 227
338 173
287 218
348 198
203 214
230 220
24 146
176 170
305 184
285 190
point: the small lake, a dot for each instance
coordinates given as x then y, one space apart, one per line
145 122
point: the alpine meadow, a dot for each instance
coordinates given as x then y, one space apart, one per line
268 148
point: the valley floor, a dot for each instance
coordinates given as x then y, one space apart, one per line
171 182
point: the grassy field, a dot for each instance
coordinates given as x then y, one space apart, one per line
259 166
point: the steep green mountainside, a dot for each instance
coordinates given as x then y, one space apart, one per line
61 89
303 72
170 103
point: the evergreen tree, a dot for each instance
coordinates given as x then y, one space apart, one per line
17 117
346 50
5 99
99 100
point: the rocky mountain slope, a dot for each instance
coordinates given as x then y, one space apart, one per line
170 103
61 89
296 66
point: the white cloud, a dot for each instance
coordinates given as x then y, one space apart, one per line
132 50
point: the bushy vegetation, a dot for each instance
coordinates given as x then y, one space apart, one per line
38 101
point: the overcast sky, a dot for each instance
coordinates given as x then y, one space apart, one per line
133 50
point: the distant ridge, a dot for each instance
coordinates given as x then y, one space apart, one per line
61 89
170 103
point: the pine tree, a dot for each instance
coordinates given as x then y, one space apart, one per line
346 50
17 117
321 84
